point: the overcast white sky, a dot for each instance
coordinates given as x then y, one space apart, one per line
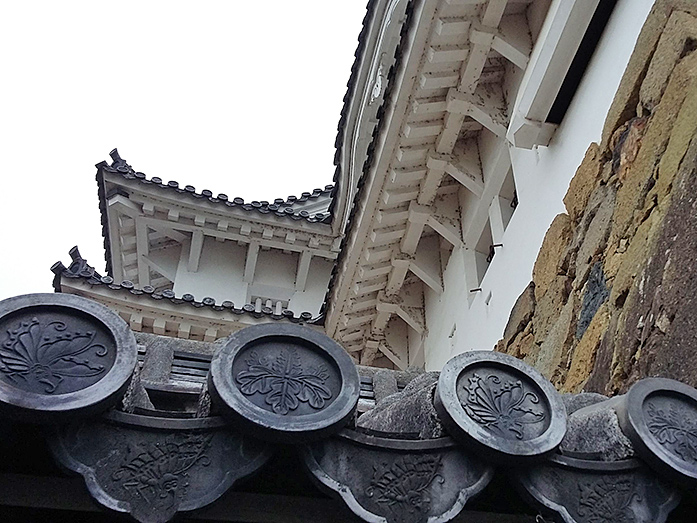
236 97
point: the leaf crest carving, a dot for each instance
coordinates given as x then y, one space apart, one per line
45 355
607 501
506 407
675 430
154 475
404 484
284 382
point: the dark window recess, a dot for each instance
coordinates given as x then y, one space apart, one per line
580 62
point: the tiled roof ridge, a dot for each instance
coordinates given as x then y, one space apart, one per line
399 51
279 206
350 88
80 269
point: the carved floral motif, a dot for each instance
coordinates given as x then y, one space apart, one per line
504 407
157 477
404 483
607 501
44 355
675 430
284 382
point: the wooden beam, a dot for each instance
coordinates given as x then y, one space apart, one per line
426 265
159 269
481 39
418 216
303 271
367 287
159 326
211 334
251 262
436 164
165 229
351 336
487 106
399 272
446 230
378 254
423 129
408 176
386 235
451 132
423 106
400 195
195 250
143 248
513 50
369 352
452 26
494 12
495 170
438 54
438 80
366 272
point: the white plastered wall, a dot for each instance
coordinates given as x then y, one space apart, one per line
459 321
219 274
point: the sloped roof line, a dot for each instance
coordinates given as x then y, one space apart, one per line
279 206
81 270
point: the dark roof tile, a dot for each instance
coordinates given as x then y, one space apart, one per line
80 269
119 166
399 53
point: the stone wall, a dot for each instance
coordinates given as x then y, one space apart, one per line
614 291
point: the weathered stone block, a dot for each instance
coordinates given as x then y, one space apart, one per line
656 336
596 430
583 182
557 343
583 358
574 402
521 314
384 384
679 31
640 177
594 240
524 347
626 100
550 305
683 131
409 412
554 245
594 295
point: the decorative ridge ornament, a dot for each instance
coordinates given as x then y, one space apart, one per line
153 468
285 383
587 491
62 354
385 480
499 405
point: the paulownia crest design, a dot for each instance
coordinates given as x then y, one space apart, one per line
404 484
156 478
607 501
505 407
284 382
675 430
45 354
